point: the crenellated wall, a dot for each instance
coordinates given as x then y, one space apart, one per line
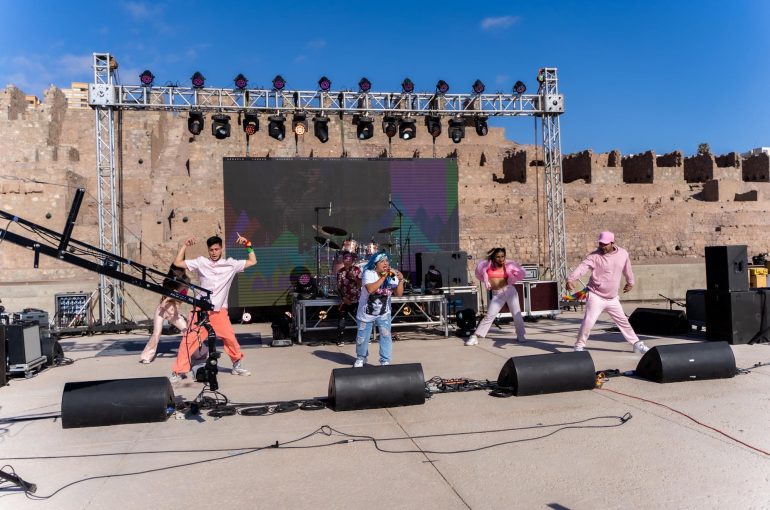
662 208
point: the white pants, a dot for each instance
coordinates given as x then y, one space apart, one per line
509 296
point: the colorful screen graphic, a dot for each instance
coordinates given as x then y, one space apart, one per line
283 205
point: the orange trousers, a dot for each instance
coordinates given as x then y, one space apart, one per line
197 335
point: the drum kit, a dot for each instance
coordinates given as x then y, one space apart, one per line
335 250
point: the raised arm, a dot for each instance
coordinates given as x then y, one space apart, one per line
179 260
252 259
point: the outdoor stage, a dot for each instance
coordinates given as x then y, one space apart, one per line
562 450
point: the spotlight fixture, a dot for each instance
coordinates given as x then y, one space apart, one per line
198 80
299 124
305 286
434 125
146 78
195 122
541 76
321 128
325 84
389 126
519 87
276 128
407 128
278 82
407 86
442 87
364 85
250 124
480 122
241 82
365 128
220 126
456 129
478 87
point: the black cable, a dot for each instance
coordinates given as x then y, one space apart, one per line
19 419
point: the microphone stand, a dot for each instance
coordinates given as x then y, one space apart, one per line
409 252
400 235
318 248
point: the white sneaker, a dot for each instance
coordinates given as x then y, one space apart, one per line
640 348
473 340
174 377
578 348
239 370
384 363
521 339
358 364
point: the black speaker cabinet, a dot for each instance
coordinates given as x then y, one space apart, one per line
727 268
687 362
3 358
453 266
695 303
116 402
462 299
735 317
657 321
22 344
376 387
548 373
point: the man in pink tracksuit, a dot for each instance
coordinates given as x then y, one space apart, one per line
607 263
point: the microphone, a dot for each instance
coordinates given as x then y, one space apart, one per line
330 208
389 200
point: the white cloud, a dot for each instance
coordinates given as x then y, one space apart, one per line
499 22
140 10
501 78
76 64
316 44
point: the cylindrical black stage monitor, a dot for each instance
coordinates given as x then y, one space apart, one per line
548 373
116 402
376 387
687 362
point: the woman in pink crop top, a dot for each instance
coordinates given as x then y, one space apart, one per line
168 309
498 276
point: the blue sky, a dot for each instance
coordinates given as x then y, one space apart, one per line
637 75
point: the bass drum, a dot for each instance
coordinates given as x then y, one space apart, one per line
350 245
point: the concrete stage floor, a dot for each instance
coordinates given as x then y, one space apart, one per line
657 459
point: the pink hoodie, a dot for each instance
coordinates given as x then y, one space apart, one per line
513 272
605 272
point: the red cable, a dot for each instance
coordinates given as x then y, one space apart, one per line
693 419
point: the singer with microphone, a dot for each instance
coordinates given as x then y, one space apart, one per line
379 283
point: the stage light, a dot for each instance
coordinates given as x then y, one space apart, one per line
220 126
299 124
241 82
364 85
389 126
198 80
478 87
480 122
466 321
306 287
325 84
365 128
321 128
519 87
278 82
541 76
407 86
407 128
195 122
250 124
434 126
146 78
442 87
276 128
456 129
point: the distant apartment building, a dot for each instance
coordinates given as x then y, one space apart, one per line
32 100
77 96
758 150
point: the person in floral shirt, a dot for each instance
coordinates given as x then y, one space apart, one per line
349 288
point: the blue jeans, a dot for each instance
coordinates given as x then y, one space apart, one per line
365 332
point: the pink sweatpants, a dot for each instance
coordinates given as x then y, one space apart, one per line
168 309
507 295
195 335
595 305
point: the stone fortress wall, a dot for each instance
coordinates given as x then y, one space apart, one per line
663 208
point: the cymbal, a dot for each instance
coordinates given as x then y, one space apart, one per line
318 228
386 230
333 231
324 240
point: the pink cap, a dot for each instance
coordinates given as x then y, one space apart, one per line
606 237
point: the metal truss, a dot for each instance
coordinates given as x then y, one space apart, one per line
110 289
554 183
106 97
